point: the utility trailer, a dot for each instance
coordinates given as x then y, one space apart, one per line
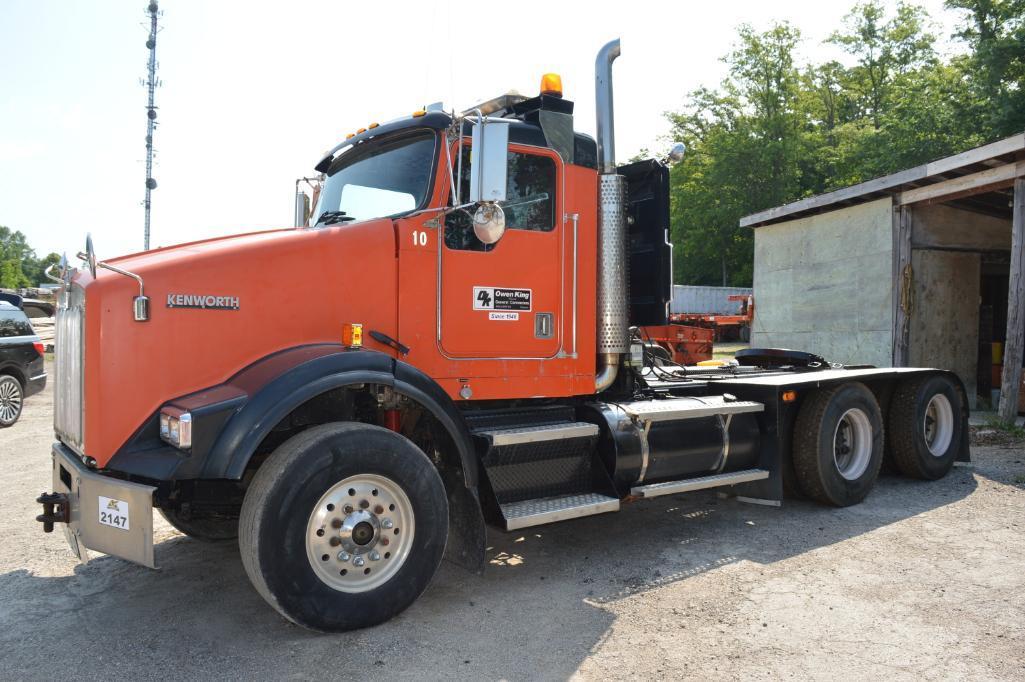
723 326
475 360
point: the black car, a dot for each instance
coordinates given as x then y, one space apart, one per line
21 362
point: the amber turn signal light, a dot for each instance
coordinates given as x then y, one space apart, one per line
789 396
352 334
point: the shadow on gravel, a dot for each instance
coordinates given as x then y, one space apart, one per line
536 612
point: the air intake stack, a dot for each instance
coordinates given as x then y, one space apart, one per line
613 334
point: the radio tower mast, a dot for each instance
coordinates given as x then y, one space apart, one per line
151 84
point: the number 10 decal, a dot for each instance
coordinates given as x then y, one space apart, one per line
419 238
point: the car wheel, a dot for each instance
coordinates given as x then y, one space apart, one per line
12 396
343 526
838 444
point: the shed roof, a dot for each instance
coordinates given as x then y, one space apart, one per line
975 180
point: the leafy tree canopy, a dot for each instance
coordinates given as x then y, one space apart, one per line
19 266
775 131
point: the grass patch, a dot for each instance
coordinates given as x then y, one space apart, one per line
1004 427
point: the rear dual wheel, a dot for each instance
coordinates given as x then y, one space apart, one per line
926 426
838 444
343 526
839 436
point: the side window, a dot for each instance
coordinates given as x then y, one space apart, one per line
529 204
14 323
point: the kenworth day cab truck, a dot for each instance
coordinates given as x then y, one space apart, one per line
472 359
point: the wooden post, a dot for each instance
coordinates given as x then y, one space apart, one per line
1010 380
901 260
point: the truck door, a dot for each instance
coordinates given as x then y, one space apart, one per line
504 300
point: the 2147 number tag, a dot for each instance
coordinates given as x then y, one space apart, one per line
113 513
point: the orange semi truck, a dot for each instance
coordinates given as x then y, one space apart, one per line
474 359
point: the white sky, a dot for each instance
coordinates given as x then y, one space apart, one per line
254 91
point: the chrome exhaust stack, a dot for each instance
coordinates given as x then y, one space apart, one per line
613 334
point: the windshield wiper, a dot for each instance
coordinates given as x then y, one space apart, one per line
332 217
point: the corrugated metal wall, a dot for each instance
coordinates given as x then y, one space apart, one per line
708 300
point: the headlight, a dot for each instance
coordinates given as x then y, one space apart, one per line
176 427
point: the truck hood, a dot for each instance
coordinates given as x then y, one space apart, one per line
219 305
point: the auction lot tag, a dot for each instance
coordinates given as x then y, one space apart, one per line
113 513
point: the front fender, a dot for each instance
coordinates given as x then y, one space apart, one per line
231 420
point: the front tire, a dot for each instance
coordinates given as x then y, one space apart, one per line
343 526
838 444
12 397
925 426
201 526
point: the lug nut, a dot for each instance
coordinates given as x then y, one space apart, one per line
384 541
374 556
378 509
336 523
343 556
387 523
358 561
348 509
363 504
335 541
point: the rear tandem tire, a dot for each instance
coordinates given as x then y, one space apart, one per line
925 426
343 526
838 444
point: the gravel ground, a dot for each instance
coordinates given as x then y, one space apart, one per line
921 581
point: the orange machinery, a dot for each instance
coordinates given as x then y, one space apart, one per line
470 360
723 326
684 345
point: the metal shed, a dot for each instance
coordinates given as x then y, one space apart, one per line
923 267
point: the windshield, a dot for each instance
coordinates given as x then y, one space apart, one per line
379 180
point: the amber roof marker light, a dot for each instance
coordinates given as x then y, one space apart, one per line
551 84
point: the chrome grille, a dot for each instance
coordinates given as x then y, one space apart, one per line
69 356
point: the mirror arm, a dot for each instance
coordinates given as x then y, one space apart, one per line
451 172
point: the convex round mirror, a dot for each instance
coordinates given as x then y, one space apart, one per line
89 255
489 223
676 152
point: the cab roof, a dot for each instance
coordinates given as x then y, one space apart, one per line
524 128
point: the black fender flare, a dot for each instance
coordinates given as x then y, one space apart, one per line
282 382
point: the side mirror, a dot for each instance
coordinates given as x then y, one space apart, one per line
676 152
489 223
89 255
489 161
302 208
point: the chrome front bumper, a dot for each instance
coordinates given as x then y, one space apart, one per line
125 504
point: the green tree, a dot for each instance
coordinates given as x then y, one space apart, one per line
745 145
19 266
775 131
886 49
994 30
37 273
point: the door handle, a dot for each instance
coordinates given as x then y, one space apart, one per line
543 327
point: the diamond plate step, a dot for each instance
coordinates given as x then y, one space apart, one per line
687 408
551 509
689 484
538 434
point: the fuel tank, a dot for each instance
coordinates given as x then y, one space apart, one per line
666 440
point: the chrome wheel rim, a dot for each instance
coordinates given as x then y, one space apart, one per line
10 400
360 533
852 444
938 425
